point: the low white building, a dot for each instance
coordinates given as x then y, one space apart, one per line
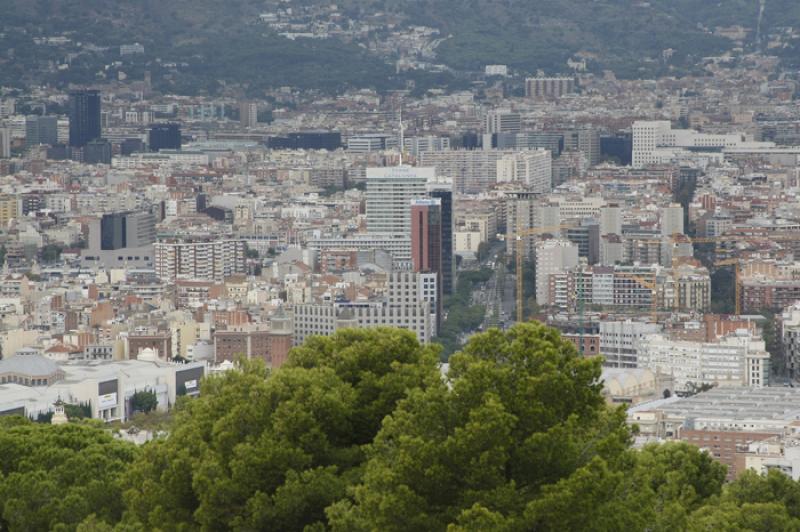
31 384
738 359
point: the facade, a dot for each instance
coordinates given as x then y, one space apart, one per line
84 117
5 143
248 114
735 360
106 386
471 171
389 194
789 324
502 121
532 168
619 341
552 87
41 130
205 259
444 194
164 137
586 141
552 257
120 240
655 142
417 145
672 220
410 303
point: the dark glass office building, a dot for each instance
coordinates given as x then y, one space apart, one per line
113 231
309 140
445 195
84 117
165 137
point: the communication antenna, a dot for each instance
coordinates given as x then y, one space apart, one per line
402 137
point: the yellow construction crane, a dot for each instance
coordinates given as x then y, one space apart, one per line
519 251
651 284
737 273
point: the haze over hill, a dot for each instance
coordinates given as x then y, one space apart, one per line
204 45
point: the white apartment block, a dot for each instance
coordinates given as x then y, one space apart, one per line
410 303
210 260
552 257
532 168
655 142
736 360
417 145
619 341
162 158
472 171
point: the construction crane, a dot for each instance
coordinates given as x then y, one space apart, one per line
651 284
518 252
737 274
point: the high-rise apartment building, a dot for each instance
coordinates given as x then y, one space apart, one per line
84 117
472 171
532 168
389 194
553 87
5 143
552 257
248 114
200 258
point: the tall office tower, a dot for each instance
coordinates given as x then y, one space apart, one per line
389 193
165 137
5 143
586 141
426 242
41 130
426 235
444 193
671 220
248 114
84 117
502 121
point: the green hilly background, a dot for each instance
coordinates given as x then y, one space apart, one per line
220 41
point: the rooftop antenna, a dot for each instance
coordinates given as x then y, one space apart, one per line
402 139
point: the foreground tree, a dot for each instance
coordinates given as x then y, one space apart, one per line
520 410
52 477
272 452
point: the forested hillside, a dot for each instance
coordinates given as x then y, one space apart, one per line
218 43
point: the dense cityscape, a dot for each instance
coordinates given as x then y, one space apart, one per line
557 297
